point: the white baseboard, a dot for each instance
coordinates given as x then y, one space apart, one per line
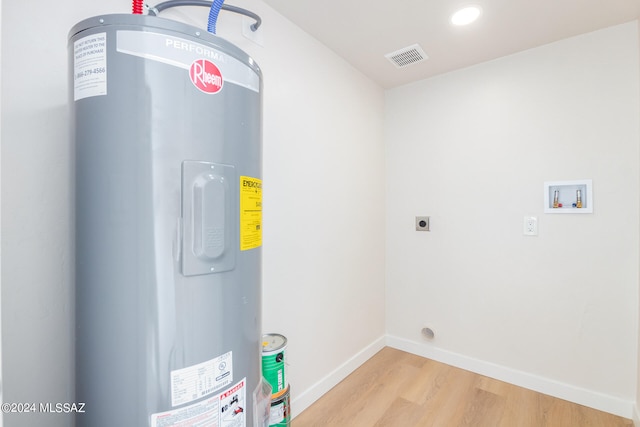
313 393
636 415
564 391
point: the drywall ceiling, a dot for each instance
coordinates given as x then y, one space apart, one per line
363 31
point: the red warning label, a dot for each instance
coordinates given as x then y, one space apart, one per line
206 76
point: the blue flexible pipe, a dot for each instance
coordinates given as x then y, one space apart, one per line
213 15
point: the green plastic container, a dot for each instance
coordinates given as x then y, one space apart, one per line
273 362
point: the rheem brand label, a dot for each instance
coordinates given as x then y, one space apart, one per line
188 55
206 76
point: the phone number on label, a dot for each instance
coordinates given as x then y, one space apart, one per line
85 73
56 408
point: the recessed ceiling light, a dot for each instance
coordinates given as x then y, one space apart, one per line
466 15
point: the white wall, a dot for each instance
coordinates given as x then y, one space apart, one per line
472 149
636 417
37 299
636 413
323 203
323 264
1 399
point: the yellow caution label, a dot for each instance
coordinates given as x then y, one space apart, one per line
250 213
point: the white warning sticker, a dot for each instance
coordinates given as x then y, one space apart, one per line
201 414
90 66
197 381
232 405
226 409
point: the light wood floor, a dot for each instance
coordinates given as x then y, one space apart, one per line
398 389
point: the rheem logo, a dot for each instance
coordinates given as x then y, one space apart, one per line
206 76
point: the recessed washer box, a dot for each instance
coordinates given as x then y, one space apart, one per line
568 196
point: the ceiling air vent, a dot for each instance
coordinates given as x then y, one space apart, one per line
407 56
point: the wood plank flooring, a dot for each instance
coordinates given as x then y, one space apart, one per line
398 389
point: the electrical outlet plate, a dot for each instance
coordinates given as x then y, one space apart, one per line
530 226
422 223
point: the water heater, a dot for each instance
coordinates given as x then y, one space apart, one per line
166 123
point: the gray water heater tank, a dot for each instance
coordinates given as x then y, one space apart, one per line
166 124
